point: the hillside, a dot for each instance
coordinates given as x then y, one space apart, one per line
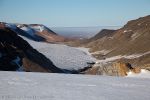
16 53
132 41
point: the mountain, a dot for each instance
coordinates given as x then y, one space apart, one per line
18 54
129 43
135 34
42 31
102 33
36 32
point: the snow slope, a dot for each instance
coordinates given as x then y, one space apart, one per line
38 28
63 56
41 28
29 30
143 74
12 26
48 86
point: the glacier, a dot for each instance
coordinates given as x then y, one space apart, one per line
63 56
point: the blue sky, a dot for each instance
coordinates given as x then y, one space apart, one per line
73 13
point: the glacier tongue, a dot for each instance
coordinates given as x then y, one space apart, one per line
63 56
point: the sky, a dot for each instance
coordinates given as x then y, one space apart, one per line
73 13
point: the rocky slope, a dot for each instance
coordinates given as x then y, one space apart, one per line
17 54
133 38
129 44
101 34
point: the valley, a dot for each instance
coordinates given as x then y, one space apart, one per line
110 52
74 50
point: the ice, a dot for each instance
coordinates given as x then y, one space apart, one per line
28 30
16 62
143 74
48 86
12 26
85 50
63 56
38 28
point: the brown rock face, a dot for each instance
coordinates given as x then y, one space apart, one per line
121 68
51 37
115 69
2 25
136 70
30 66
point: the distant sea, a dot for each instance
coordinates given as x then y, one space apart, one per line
81 32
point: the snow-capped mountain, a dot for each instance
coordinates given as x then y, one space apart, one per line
42 31
41 28
36 32
27 29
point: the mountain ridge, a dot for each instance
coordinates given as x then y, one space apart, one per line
129 44
36 32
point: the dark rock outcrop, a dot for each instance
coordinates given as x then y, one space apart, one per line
10 58
14 46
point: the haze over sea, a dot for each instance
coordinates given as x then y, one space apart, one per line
81 32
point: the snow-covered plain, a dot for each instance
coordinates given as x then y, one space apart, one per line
63 56
48 86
